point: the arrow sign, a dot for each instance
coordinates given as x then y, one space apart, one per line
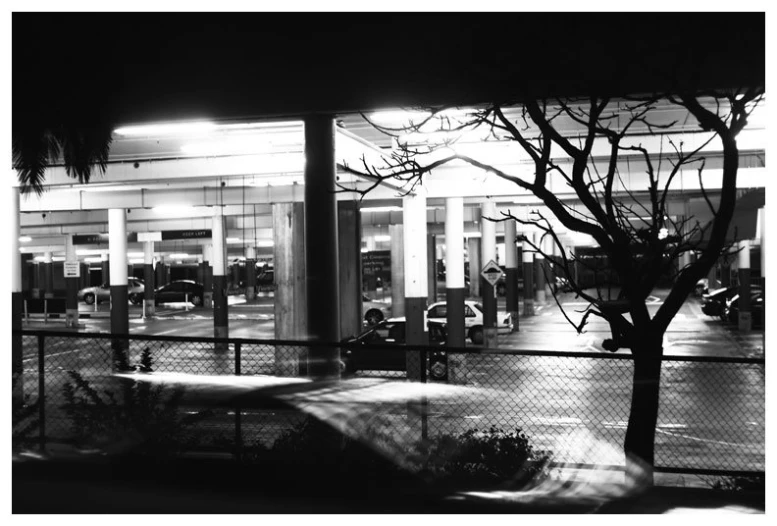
491 272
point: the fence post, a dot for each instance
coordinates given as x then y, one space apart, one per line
238 416
26 312
41 395
45 311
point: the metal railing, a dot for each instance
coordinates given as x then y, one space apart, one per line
574 405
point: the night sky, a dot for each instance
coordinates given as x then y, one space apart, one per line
155 66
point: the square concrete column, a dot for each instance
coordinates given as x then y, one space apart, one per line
250 269
455 291
539 269
149 303
475 266
207 275
72 271
397 270
290 291
527 252
745 316
350 274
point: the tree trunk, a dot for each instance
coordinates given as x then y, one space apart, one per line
639 446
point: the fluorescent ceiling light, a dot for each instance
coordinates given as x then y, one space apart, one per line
234 240
228 146
58 258
181 256
25 239
264 243
382 209
92 260
382 238
398 117
172 128
135 254
173 209
136 261
365 250
90 251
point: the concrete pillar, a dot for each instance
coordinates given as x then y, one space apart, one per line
220 310
397 270
48 277
431 276
539 271
416 276
71 284
106 268
511 270
149 304
235 271
454 270
17 302
290 291
250 269
547 246
488 253
117 247
745 317
207 275
528 278
475 266
321 257
350 274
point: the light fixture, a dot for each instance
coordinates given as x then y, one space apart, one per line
136 261
92 260
382 238
135 254
663 233
264 243
25 239
398 118
173 210
228 146
180 256
232 240
171 128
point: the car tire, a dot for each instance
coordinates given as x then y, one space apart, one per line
89 298
476 335
135 299
196 300
373 317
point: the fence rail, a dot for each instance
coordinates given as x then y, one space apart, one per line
574 405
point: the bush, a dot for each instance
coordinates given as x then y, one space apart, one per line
755 483
470 459
140 417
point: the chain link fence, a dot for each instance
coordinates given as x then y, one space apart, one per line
575 406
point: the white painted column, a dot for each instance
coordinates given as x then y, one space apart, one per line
117 248
488 254
511 271
149 303
416 276
745 318
454 289
528 274
220 315
71 285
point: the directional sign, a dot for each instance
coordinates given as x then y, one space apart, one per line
491 272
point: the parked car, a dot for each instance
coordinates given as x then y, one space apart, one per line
714 302
473 319
177 292
373 311
361 356
103 292
731 313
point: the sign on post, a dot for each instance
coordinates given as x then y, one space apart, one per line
72 269
491 272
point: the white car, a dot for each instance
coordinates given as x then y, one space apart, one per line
473 319
373 311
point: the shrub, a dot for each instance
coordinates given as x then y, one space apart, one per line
754 483
139 416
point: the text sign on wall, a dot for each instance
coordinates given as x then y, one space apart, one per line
72 269
92 239
186 234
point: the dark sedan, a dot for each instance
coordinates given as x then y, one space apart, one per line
714 302
178 292
372 350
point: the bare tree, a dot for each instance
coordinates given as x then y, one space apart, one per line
586 144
